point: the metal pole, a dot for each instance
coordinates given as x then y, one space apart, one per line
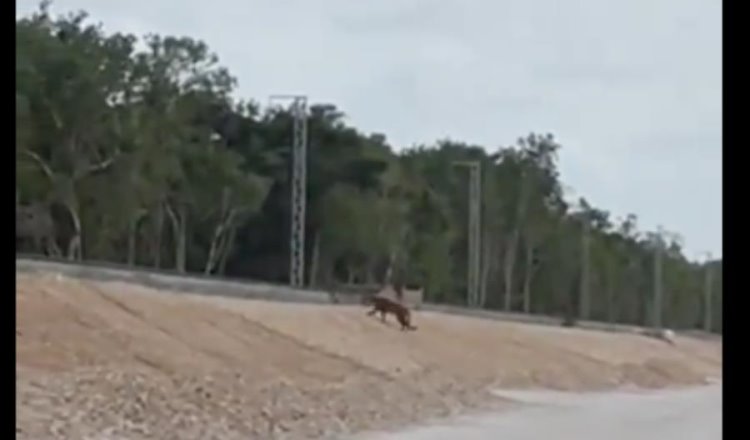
299 189
473 270
585 298
658 280
708 295
475 222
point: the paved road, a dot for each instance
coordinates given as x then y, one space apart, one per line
693 414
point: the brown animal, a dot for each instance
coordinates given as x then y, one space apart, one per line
386 306
401 293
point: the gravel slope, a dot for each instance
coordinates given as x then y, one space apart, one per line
112 360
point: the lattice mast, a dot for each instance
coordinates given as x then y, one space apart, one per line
299 188
474 233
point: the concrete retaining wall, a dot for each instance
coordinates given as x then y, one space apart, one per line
174 282
210 285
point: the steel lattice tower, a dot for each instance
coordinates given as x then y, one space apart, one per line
299 189
475 233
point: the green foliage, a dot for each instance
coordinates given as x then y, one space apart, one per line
143 156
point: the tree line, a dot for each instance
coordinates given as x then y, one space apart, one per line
141 154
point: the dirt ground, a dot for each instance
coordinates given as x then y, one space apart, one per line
100 360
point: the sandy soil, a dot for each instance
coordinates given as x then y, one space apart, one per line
117 361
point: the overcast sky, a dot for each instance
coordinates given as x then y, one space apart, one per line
632 89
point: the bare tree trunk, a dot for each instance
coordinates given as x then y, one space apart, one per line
51 246
394 259
132 229
74 245
132 237
486 269
508 268
182 241
226 216
528 275
512 248
370 271
35 222
218 243
175 227
611 307
213 253
227 250
388 277
224 247
159 235
227 245
74 248
180 236
315 263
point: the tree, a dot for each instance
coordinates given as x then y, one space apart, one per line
71 75
143 156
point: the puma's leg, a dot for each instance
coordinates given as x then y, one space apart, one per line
405 321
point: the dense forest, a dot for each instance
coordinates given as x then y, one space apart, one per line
139 152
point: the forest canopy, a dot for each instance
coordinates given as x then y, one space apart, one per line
142 154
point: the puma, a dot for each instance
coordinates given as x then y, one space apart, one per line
385 306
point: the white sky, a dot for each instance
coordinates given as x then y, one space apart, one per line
632 89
